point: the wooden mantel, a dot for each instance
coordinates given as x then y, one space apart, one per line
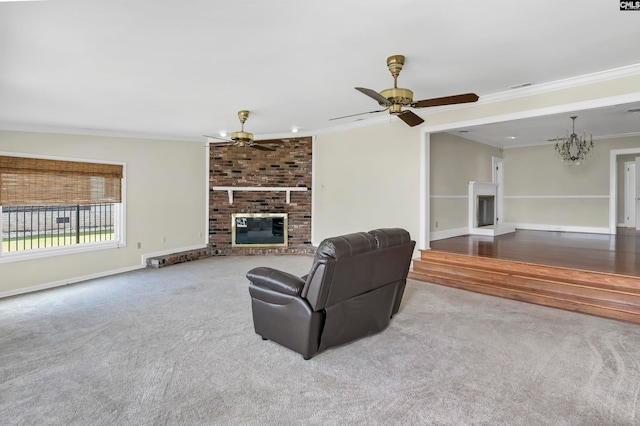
287 189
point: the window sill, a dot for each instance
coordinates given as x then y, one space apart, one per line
57 251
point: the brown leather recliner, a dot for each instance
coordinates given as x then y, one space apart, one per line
354 287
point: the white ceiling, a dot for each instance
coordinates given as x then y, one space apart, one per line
620 120
183 68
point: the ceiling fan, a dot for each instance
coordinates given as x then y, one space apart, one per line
242 138
396 98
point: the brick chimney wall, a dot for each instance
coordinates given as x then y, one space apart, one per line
288 166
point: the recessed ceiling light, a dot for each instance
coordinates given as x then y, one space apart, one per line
511 137
294 130
223 134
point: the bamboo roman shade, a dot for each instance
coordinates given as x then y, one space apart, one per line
35 181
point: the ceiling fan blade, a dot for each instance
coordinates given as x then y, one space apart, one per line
410 118
271 141
446 100
262 148
360 113
375 95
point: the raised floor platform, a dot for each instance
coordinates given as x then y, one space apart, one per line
588 273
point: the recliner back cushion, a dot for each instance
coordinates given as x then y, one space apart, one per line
395 266
395 250
388 237
343 267
346 245
352 276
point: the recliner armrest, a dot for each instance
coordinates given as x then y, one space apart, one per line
273 279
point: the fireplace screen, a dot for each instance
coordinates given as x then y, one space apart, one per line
485 210
259 230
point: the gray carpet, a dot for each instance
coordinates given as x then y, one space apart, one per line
176 346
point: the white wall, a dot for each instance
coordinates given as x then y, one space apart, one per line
542 191
166 196
454 162
366 178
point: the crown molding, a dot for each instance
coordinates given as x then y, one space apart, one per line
567 83
15 127
556 109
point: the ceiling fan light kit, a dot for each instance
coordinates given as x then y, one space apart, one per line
241 138
396 98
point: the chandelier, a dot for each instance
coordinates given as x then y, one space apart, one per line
573 149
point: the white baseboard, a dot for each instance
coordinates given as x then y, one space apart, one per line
561 228
456 232
74 280
68 281
448 233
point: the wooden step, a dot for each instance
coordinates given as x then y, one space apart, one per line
597 293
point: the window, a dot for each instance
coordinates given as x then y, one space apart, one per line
49 205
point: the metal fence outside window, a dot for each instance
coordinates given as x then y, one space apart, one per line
33 227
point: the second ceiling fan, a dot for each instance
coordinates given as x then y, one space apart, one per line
396 98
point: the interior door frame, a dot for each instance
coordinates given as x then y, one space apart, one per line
630 194
497 176
613 185
637 194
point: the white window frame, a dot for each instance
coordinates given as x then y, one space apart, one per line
44 252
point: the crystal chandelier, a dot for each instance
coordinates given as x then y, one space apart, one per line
573 149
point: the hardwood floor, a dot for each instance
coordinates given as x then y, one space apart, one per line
616 254
588 273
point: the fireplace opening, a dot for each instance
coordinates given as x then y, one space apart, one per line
259 229
485 213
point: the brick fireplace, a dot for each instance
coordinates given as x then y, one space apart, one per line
289 166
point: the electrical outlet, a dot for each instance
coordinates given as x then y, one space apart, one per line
436 224
163 239
139 245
